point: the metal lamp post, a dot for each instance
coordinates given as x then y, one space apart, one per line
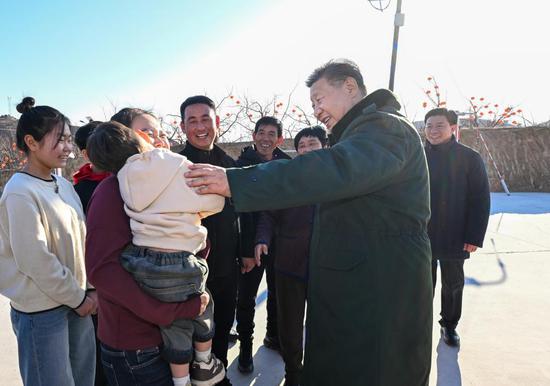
398 21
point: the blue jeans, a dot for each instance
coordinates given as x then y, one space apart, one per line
141 367
55 347
167 276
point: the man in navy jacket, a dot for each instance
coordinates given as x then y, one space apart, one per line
460 203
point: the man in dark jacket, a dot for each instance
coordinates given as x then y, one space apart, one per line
289 231
369 314
460 204
200 124
267 136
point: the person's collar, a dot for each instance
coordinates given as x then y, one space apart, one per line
253 153
279 154
377 99
195 149
86 172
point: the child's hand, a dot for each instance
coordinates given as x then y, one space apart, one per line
205 299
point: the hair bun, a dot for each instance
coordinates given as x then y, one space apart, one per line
26 104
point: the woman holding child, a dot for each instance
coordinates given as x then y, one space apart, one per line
132 342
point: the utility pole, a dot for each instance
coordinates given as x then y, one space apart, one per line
399 21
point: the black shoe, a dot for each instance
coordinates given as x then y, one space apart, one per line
272 343
450 337
246 364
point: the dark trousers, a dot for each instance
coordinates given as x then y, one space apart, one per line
100 379
291 304
224 293
452 286
141 367
246 300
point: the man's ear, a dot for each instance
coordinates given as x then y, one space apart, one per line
280 140
84 153
217 121
182 126
351 85
31 143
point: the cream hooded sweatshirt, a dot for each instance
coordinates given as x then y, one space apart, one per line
164 212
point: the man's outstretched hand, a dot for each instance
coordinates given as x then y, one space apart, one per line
208 179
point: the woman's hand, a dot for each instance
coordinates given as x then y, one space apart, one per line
205 299
92 294
87 307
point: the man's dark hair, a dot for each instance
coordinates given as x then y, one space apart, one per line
451 116
315 131
111 144
83 133
196 100
127 115
271 121
338 70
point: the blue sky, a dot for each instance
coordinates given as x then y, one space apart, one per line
68 52
85 58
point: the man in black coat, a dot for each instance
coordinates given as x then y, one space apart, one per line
460 204
267 136
200 124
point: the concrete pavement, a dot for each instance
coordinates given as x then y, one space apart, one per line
503 327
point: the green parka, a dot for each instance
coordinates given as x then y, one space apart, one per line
369 314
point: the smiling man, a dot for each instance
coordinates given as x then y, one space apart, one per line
460 203
369 315
201 124
267 136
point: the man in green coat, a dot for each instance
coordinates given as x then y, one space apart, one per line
369 315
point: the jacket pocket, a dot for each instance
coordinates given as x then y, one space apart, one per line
343 260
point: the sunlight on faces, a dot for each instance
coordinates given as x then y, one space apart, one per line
266 140
145 141
54 149
332 100
439 130
149 125
200 125
307 144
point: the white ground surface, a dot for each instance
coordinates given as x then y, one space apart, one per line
504 333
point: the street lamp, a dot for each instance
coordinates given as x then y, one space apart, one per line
398 21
